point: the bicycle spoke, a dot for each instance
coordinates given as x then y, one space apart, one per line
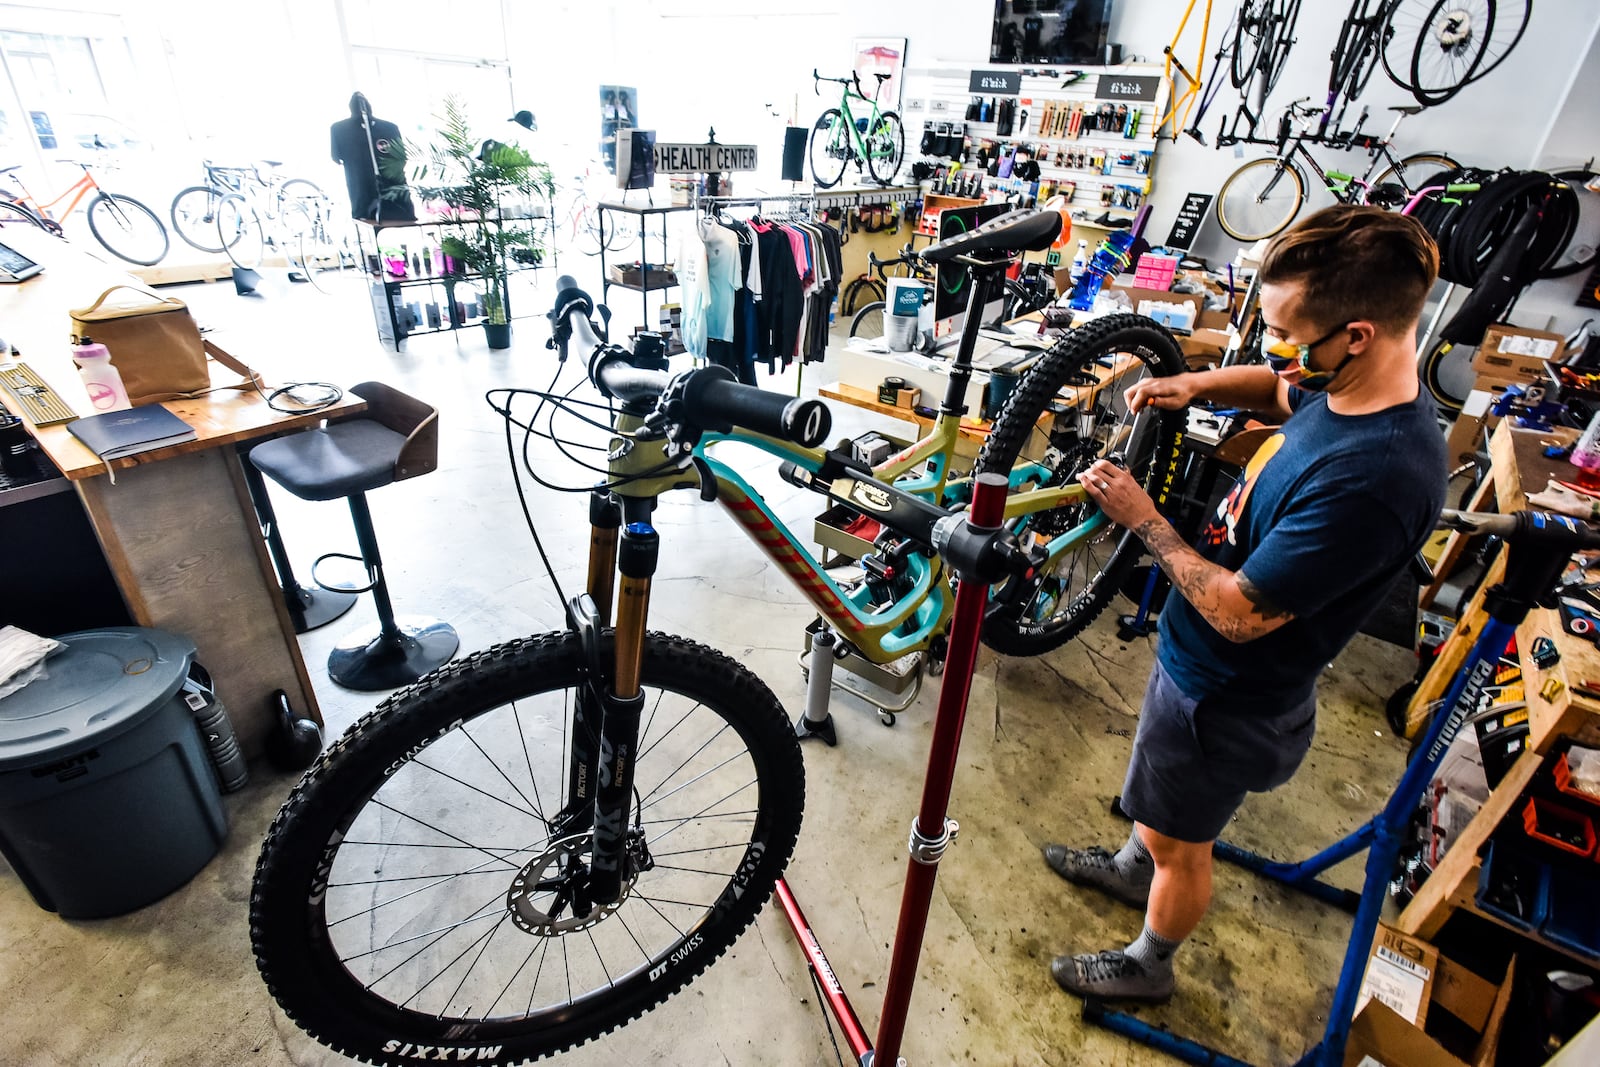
452 963
499 800
689 759
600 959
537 812
522 735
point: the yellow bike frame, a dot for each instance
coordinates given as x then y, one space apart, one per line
1180 104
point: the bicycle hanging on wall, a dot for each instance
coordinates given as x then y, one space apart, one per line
875 141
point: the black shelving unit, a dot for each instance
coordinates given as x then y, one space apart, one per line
443 290
643 213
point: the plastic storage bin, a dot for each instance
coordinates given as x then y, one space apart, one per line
1570 916
1512 886
108 800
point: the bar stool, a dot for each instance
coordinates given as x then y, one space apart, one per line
397 438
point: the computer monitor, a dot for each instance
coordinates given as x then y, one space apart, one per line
952 286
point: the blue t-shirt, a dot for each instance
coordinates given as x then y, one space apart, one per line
1323 519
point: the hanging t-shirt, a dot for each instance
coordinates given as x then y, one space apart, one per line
721 278
693 281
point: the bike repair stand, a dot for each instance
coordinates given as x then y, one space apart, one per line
931 832
1538 548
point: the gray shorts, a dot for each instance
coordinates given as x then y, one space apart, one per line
1194 760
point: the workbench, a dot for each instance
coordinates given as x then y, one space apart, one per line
1555 710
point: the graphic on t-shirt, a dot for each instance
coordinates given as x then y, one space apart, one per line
1225 522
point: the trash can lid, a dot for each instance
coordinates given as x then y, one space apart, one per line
104 682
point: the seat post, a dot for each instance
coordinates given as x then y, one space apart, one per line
367 538
955 394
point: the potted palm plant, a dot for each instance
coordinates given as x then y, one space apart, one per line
486 187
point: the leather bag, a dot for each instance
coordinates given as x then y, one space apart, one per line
155 346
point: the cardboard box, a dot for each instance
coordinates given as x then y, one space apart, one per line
908 398
1381 1035
1512 353
1205 345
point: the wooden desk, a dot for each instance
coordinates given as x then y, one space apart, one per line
1518 465
177 528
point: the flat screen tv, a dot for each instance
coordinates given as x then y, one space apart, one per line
1050 31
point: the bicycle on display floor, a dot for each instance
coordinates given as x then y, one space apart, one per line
123 226
292 217
1262 197
580 224
866 318
194 209
876 141
531 846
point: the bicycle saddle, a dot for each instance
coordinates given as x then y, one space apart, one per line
1407 109
8 170
882 77
1016 231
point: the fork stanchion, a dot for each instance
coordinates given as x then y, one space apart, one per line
932 833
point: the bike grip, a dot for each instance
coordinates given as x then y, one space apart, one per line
716 402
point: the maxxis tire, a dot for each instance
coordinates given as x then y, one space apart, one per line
133 209
1018 421
300 852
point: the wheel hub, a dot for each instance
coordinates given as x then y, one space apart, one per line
1456 30
548 897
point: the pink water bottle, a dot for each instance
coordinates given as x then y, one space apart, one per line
100 378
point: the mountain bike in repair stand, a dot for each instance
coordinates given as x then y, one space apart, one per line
531 846
876 141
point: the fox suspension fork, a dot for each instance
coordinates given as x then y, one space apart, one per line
605 717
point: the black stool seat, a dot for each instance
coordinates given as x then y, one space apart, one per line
398 438
333 461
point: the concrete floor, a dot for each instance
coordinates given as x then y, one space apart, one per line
1045 746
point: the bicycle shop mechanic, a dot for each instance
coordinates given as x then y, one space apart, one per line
1308 541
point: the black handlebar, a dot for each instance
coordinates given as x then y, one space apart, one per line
707 398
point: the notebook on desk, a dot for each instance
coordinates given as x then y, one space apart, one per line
116 434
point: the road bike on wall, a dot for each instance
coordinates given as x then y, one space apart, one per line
876 140
123 226
1262 197
531 846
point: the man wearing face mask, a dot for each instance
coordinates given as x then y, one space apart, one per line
1308 541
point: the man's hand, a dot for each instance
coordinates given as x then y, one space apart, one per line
1170 393
1117 493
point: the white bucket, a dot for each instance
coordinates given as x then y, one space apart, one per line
902 308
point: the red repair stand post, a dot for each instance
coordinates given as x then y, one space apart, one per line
931 832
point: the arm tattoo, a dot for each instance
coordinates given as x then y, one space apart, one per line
1203 583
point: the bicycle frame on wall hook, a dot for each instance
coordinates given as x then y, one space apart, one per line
1538 548
931 831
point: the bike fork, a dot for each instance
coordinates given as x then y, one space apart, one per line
606 714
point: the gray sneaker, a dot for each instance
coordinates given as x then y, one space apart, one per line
1111 975
1096 867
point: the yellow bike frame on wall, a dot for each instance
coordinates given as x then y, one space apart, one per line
1181 103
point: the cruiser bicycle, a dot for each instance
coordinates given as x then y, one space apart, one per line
531 846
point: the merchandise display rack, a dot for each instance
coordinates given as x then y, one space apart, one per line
645 286
941 94
389 291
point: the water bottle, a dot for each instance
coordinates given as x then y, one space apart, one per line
100 378
1080 262
1110 259
1586 455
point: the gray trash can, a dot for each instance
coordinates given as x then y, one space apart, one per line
108 800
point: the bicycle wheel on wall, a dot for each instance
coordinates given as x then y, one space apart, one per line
127 229
194 217
239 231
1251 36
886 147
1260 199
829 149
1045 612
415 891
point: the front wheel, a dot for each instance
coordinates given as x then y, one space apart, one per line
239 231
830 149
1067 412
127 229
886 147
414 897
1260 199
194 217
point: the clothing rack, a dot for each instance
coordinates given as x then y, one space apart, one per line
793 203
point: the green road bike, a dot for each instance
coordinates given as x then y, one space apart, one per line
876 141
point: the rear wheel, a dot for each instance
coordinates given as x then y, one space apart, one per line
419 895
1067 412
15 216
886 147
1260 199
830 148
127 229
1413 173
868 322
